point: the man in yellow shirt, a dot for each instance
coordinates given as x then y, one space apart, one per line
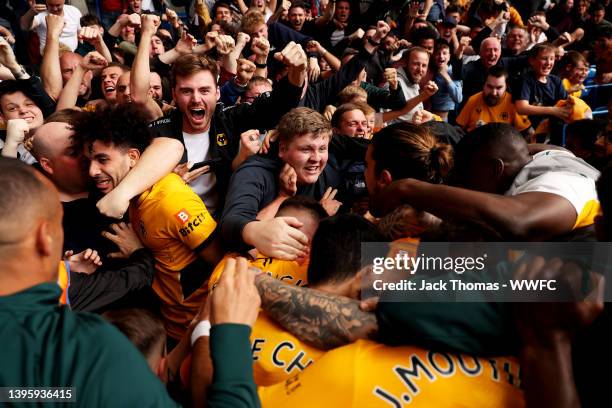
276 353
493 104
308 212
170 219
366 373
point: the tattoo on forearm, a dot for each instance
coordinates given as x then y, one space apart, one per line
323 320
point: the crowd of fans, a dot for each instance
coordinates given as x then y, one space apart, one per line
203 183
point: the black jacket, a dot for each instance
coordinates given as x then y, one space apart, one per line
323 93
255 184
107 288
227 125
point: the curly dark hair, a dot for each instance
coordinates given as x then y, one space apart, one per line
124 126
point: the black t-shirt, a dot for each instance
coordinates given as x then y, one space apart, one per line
83 225
228 123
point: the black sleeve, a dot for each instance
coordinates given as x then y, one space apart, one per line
165 127
264 112
283 35
348 148
391 99
480 37
33 87
551 34
93 292
514 65
109 40
160 67
250 189
323 93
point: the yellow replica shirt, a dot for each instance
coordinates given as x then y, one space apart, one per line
368 374
477 113
277 354
567 85
290 272
172 221
580 110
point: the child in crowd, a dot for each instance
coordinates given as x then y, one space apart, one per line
574 71
540 91
449 93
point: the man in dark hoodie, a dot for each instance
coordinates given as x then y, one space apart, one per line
307 169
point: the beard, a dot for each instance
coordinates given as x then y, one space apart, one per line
491 100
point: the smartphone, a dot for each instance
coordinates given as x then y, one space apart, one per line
211 163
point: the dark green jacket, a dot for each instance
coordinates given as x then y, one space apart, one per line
44 344
233 383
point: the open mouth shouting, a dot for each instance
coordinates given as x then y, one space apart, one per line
197 114
103 184
109 90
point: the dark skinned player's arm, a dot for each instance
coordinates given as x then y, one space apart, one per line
201 372
548 375
532 216
323 320
212 252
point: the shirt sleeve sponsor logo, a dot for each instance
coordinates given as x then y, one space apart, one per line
182 216
197 221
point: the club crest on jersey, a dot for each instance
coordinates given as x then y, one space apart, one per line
182 216
221 139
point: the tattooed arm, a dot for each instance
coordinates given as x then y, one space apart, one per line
323 320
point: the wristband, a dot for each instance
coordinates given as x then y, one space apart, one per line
201 329
264 65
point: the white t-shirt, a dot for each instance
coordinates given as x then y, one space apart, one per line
568 177
198 150
410 91
147 5
69 36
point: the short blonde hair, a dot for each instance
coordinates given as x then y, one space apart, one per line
300 121
351 92
251 20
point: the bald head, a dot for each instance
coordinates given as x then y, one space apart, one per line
68 63
490 51
123 88
31 235
50 139
26 195
61 157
